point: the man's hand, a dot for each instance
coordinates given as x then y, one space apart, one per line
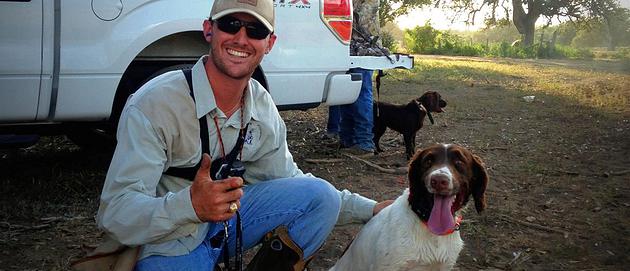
211 199
381 205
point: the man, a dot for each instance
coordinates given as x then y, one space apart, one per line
178 222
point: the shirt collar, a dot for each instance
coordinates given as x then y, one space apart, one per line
205 102
204 97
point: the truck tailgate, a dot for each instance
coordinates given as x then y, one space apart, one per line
394 61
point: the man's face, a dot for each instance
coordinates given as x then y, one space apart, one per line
236 55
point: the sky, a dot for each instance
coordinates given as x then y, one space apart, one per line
441 19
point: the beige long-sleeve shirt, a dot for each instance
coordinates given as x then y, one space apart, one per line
159 129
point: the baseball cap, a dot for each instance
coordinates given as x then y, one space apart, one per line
261 9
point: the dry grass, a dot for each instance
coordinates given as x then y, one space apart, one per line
550 163
597 84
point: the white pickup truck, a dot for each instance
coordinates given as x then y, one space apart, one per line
67 66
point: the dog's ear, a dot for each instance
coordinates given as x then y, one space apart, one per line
479 183
439 101
424 98
414 167
430 100
415 171
435 101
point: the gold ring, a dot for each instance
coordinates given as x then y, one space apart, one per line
233 207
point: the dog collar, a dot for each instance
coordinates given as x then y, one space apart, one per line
458 222
430 117
422 107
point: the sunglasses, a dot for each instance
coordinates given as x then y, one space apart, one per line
231 25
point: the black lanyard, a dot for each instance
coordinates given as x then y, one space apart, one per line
238 258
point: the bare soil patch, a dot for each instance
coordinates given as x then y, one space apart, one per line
559 192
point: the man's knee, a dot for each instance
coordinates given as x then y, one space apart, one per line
324 196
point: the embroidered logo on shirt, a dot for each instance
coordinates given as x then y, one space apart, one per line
249 137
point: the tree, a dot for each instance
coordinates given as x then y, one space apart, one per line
421 39
617 21
525 13
566 33
388 10
496 34
596 35
394 30
391 35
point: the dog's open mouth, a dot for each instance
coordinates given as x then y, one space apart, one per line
442 221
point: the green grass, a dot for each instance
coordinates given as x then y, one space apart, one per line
586 83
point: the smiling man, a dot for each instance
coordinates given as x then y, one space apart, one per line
165 191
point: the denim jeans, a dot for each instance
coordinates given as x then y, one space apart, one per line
334 118
354 121
309 207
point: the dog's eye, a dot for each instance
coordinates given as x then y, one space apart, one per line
459 165
427 161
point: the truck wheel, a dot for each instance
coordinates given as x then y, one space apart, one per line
102 137
13 141
93 138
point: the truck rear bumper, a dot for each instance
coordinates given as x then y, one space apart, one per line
342 88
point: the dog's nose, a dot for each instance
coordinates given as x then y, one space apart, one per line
440 183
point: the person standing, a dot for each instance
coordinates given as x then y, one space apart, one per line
353 123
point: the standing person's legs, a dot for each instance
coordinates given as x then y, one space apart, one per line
363 117
346 128
334 118
348 112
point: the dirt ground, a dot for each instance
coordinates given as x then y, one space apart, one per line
559 191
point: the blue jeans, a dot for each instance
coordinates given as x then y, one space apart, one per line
354 122
309 207
334 118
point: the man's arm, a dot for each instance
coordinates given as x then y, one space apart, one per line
130 210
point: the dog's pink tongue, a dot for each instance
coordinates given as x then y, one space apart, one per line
441 219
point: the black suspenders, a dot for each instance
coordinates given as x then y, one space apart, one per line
190 172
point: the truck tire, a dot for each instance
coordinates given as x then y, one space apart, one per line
102 136
93 138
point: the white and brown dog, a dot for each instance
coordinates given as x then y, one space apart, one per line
419 231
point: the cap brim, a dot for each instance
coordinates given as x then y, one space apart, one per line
236 10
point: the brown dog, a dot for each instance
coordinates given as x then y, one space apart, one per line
406 119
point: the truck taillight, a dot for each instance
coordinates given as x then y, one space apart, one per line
337 15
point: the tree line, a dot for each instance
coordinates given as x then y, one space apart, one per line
587 23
